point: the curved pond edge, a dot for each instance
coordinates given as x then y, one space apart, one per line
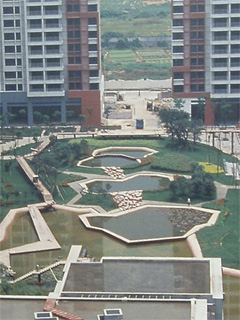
84 183
212 220
97 151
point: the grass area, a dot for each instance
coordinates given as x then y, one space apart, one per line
16 190
138 27
223 239
106 201
135 18
127 65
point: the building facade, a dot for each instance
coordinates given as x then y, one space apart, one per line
50 63
205 55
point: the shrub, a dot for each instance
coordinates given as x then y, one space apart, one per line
7 185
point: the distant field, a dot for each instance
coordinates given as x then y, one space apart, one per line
136 18
152 63
141 27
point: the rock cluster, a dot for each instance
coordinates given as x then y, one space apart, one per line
185 219
127 199
114 172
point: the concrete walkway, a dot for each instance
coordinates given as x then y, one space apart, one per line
46 241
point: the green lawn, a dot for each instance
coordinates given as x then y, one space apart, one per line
223 239
152 63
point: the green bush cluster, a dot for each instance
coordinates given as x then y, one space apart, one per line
200 186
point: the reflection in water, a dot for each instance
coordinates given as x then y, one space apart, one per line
69 230
21 232
129 153
141 182
231 304
109 161
148 223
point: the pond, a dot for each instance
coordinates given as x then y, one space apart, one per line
151 222
140 182
69 230
130 153
109 161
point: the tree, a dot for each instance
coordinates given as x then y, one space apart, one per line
178 103
226 111
81 118
46 119
38 116
178 123
56 115
201 108
90 112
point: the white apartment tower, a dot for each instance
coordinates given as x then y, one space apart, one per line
206 55
50 59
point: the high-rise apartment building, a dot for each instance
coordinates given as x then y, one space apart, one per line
50 60
206 55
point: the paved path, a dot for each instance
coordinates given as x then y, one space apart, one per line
46 241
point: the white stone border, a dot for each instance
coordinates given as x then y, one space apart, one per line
96 151
211 221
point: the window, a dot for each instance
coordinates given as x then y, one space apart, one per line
94 86
18 36
73 8
7 10
74 60
220 36
177 35
193 35
177 49
19 49
17 23
20 87
92 7
220 49
73 22
10 62
220 88
235 48
177 22
235 8
10 75
10 49
8 36
93 60
220 62
235 35
235 62
178 88
19 75
92 21
220 9
8 23
194 87
92 47
178 75
177 62
17 10
193 48
94 73
220 75
193 61
235 75
19 62
10 87
177 9
92 34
